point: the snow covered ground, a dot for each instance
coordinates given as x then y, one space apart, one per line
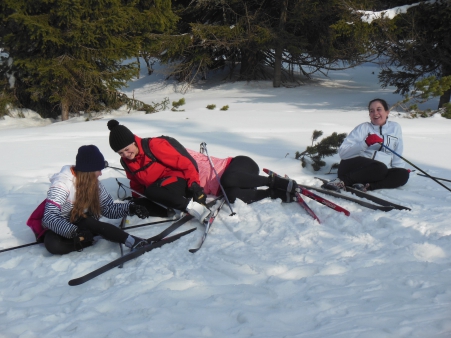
269 271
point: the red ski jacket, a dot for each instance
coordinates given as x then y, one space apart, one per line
170 163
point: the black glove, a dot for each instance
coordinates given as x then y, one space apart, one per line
83 239
198 193
138 210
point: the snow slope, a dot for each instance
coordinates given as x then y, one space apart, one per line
269 271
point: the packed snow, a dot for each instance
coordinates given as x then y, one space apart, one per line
268 271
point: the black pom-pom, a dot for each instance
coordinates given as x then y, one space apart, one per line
112 124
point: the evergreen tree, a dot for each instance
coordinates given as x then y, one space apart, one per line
328 146
417 45
261 36
64 56
157 20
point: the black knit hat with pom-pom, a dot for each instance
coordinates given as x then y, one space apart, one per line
120 136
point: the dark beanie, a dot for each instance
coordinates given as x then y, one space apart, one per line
120 136
89 158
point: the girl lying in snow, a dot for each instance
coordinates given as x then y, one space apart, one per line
167 173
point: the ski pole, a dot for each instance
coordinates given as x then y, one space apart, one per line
20 246
122 185
413 165
203 147
150 223
108 166
121 226
437 178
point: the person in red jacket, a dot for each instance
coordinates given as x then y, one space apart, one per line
165 172
170 177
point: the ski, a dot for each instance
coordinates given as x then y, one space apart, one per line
370 197
131 255
348 198
304 191
158 241
301 202
208 226
121 226
151 223
322 200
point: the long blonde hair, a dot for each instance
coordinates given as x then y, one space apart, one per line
86 195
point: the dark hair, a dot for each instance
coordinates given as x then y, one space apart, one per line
383 103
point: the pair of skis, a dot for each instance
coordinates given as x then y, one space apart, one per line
302 190
156 241
383 205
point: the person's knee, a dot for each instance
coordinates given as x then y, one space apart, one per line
231 194
403 177
58 245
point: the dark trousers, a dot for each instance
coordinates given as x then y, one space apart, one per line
153 208
365 170
171 192
59 245
241 178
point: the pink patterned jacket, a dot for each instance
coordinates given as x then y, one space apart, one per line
207 175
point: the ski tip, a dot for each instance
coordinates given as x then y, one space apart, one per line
75 282
193 250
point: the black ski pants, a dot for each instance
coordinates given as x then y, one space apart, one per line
241 178
59 245
365 170
172 192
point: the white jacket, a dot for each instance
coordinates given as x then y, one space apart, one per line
354 145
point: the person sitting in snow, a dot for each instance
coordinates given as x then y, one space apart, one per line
365 164
75 201
165 172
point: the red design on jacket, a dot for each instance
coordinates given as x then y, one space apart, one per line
170 164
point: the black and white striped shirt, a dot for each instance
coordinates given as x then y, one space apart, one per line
60 199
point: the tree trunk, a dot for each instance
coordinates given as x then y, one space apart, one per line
149 65
279 47
445 98
64 110
277 80
249 64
